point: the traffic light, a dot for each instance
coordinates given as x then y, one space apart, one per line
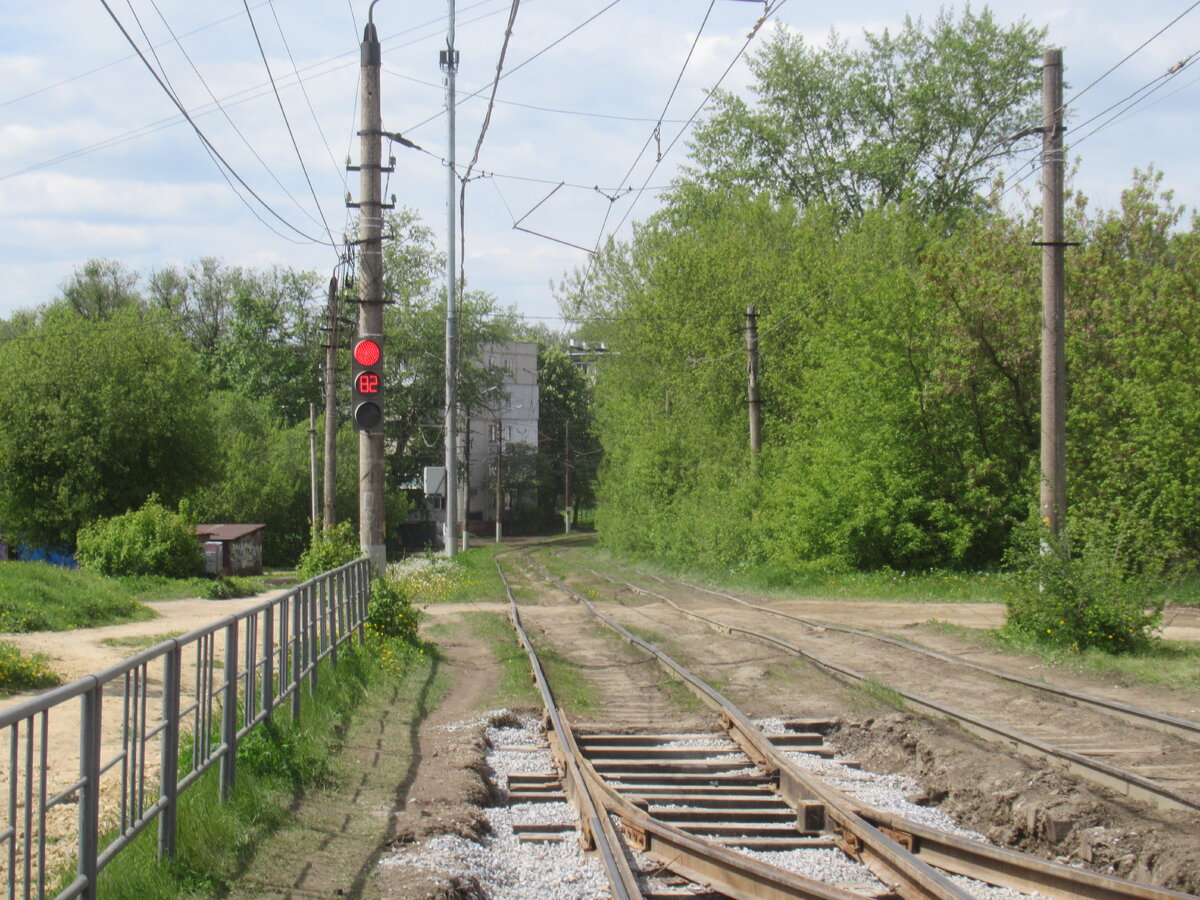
367 395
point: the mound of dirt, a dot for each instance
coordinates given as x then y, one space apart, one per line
1026 806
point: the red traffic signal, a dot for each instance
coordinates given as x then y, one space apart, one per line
367 394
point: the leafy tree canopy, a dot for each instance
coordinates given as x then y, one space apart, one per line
94 417
926 113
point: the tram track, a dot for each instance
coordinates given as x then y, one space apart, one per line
1162 769
630 773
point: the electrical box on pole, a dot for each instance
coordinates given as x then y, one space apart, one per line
367 389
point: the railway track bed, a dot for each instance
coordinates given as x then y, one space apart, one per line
677 775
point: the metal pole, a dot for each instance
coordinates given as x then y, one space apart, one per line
567 480
329 518
370 292
451 537
499 466
1053 455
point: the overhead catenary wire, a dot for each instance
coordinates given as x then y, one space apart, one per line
487 119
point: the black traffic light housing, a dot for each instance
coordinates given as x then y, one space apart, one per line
366 403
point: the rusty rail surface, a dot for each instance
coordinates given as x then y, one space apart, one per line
909 856
1122 781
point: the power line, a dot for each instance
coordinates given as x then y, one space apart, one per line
252 92
199 133
548 109
300 81
291 134
1131 54
487 120
221 108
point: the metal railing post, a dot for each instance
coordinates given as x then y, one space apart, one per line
268 654
294 674
229 703
314 636
329 593
89 791
362 598
169 765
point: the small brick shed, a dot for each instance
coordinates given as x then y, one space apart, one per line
237 548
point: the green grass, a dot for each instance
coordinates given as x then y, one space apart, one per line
20 672
481 581
140 642
516 684
881 693
277 764
36 596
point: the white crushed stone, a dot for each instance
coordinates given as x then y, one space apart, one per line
500 863
884 792
771 726
819 863
717 743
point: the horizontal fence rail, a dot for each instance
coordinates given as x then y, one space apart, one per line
150 726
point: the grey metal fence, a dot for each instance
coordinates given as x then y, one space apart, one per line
150 726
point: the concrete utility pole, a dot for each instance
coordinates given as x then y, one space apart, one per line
312 464
1054 391
450 66
371 529
752 383
329 518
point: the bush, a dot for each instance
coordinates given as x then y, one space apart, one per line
329 549
391 613
151 541
1097 598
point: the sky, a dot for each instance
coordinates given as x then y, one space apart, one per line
589 121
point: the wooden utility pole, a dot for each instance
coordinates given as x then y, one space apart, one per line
1054 391
371 529
329 516
752 383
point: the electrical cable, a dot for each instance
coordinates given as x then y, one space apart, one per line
519 66
308 100
283 112
171 88
199 133
487 119
223 111
1130 55
236 98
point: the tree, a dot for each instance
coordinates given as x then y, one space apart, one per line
100 288
925 114
94 418
566 433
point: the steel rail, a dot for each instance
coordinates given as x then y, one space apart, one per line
597 832
892 863
1122 781
1171 724
734 874
1000 866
